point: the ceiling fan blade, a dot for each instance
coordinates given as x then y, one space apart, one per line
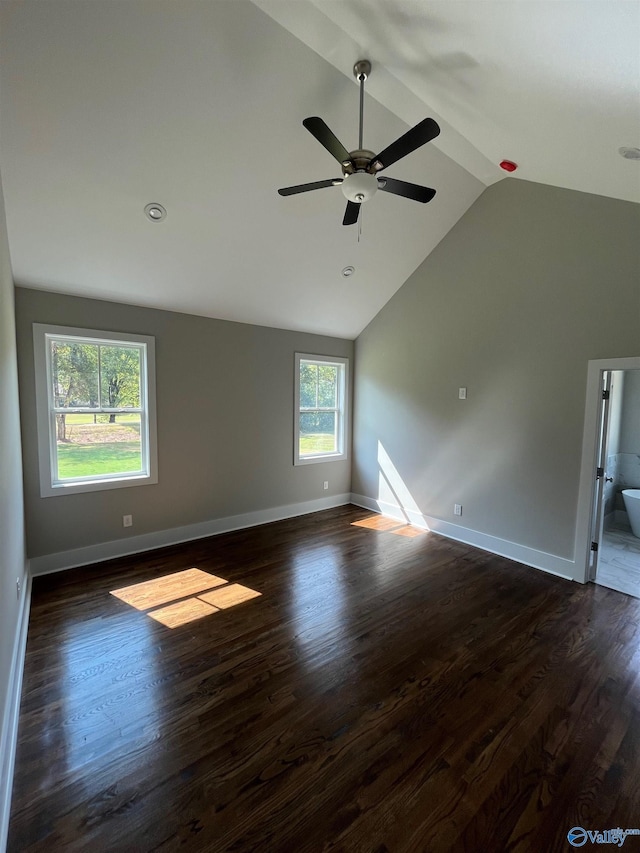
351 213
403 188
316 185
419 135
327 138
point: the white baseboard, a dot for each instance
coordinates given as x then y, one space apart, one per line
11 716
174 536
558 566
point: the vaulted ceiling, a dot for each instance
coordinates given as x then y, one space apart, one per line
106 106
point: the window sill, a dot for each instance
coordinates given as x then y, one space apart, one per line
325 457
74 488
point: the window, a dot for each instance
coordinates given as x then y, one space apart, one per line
320 428
95 398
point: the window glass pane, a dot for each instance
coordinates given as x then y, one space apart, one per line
91 445
327 385
318 433
120 377
308 385
74 373
320 421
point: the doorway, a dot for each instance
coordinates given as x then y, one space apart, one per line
611 464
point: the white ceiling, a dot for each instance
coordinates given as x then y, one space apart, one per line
106 106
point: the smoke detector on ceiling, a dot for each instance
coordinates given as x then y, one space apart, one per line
155 212
629 153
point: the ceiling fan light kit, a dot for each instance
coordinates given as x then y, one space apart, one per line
359 187
360 168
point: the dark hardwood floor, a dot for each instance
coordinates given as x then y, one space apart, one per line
384 692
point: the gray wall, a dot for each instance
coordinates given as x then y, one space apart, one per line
613 442
616 411
225 424
12 547
529 285
630 424
628 457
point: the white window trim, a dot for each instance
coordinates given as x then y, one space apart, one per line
46 421
343 416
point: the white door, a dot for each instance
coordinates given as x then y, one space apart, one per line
602 478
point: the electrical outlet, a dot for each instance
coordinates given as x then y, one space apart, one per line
127 521
462 393
18 588
325 485
457 509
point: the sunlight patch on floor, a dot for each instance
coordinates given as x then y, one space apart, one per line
168 588
378 522
229 596
188 595
182 612
389 525
409 531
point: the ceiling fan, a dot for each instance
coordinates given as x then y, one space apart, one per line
360 168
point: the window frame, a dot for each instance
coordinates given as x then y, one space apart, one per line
50 486
342 409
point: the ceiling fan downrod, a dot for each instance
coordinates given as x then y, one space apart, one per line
361 71
358 184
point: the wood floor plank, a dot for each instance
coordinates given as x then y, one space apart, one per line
324 683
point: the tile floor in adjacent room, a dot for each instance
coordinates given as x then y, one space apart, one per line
619 562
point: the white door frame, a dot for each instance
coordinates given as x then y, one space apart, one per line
590 439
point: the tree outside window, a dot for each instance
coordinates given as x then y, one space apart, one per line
95 400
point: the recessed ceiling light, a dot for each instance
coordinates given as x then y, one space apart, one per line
347 271
155 212
629 153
